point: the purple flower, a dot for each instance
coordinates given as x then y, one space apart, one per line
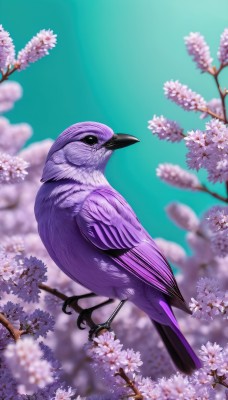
210 300
39 323
7 52
24 359
65 394
166 129
36 48
33 272
176 176
183 96
217 218
219 243
13 137
12 169
209 149
223 48
9 93
183 216
199 50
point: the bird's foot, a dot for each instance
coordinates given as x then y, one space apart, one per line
74 299
98 328
85 315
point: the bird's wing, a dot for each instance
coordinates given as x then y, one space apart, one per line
108 222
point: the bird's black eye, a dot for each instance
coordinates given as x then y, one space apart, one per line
90 140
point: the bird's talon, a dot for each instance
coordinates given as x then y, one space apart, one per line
84 314
68 302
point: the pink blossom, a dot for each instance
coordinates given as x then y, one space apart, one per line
7 52
220 243
176 176
183 96
209 149
12 169
13 136
166 129
210 301
24 359
9 93
183 216
36 48
223 48
217 218
199 50
65 394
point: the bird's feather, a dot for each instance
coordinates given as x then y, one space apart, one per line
108 222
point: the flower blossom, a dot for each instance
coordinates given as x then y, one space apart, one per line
65 394
217 218
176 176
210 300
166 129
223 48
183 216
36 48
24 359
209 149
183 96
199 50
9 93
12 169
108 351
13 136
7 52
219 243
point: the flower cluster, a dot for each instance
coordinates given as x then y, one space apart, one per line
12 169
199 50
210 301
108 352
223 48
209 149
7 52
9 93
26 364
184 97
177 176
35 49
183 216
166 129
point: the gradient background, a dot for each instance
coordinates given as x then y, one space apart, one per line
111 61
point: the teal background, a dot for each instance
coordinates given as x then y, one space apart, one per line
111 61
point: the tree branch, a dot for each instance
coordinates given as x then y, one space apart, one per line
205 189
14 332
136 393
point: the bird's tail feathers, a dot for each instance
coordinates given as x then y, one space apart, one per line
179 349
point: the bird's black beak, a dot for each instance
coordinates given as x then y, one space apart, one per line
120 140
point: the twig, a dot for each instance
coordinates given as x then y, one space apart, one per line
211 113
136 393
63 297
8 72
205 189
14 332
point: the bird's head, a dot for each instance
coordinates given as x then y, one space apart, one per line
82 148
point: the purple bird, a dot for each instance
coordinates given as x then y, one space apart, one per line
94 236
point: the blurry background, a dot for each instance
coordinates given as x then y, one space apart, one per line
111 61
